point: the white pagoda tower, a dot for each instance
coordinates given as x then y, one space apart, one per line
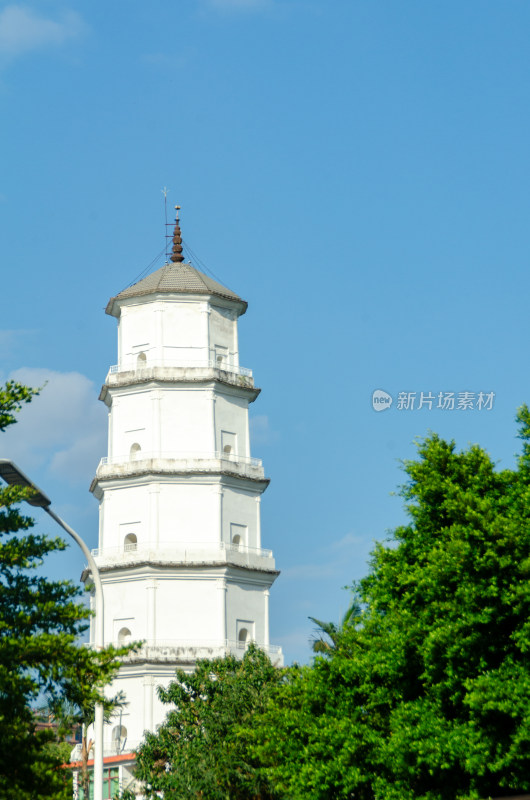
179 551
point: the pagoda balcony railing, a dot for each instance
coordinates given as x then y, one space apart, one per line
139 367
184 553
171 462
143 455
174 650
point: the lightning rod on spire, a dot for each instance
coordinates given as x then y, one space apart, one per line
165 190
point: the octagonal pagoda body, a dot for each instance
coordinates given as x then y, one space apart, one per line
180 550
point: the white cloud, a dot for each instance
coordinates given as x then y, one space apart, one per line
63 429
261 431
23 30
350 540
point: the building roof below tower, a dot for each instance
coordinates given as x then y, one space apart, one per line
175 278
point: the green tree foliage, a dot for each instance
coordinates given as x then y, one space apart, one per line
12 397
328 634
425 693
40 622
197 752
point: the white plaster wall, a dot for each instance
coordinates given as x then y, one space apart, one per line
180 421
186 420
144 711
169 329
179 510
185 329
231 415
125 510
131 422
137 329
223 332
184 606
133 717
189 512
155 711
246 602
241 508
177 419
188 608
125 600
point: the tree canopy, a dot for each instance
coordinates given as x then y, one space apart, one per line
198 752
40 624
425 693
423 690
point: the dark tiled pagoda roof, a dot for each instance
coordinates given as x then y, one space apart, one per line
175 278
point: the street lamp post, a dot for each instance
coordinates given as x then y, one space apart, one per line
13 475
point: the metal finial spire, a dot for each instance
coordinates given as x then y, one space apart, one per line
176 255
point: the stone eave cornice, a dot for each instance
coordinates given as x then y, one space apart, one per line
115 304
132 378
95 486
176 564
183 655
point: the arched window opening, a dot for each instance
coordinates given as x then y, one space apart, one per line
124 636
228 444
221 354
119 737
141 360
242 639
135 449
238 536
130 542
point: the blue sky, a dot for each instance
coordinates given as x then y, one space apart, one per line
358 171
